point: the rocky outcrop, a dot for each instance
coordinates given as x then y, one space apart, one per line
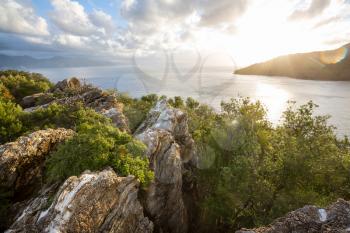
92 202
91 97
21 161
67 84
170 146
104 202
311 219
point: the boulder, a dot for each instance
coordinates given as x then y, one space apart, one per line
311 219
92 202
67 84
169 147
21 161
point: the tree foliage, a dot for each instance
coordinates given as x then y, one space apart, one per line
10 123
21 84
257 172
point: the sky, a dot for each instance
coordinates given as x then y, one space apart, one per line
239 31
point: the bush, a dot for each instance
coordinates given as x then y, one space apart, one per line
10 123
258 172
21 84
96 146
65 116
5 93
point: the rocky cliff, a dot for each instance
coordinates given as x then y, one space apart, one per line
92 202
170 146
101 201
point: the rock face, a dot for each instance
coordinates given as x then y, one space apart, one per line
92 202
310 219
170 146
21 161
91 97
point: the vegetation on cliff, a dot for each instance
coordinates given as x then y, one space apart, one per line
96 145
250 171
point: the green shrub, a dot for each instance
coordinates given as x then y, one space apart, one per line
65 116
10 123
96 146
21 84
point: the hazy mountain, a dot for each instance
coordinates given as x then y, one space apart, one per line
7 61
320 65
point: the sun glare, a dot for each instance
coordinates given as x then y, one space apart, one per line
263 35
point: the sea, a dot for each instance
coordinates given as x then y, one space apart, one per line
211 85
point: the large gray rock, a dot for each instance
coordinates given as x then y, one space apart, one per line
92 202
169 147
21 161
311 219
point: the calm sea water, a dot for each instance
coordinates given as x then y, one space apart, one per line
213 84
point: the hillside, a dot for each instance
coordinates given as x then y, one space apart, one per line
333 65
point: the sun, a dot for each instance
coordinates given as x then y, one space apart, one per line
266 32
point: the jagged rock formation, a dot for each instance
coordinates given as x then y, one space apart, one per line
21 166
91 97
21 161
310 219
170 146
92 202
102 201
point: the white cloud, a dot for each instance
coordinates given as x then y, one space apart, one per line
21 19
71 18
100 19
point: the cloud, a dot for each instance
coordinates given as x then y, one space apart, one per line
71 18
223 11
20 19
168 23
100 19
316 7
210 12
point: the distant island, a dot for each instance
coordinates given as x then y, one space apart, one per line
332 65
27 62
